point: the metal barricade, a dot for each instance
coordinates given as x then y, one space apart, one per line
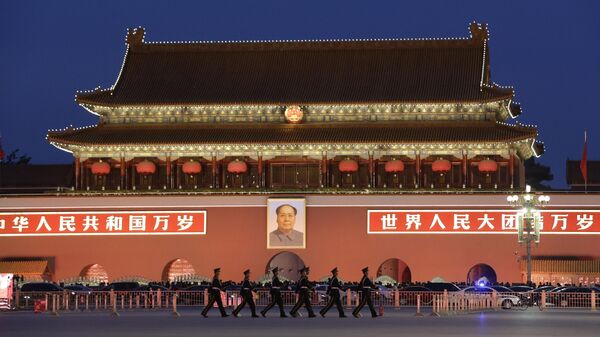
439 302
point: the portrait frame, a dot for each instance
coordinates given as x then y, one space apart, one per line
275 240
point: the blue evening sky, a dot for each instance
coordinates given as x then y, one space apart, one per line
547 50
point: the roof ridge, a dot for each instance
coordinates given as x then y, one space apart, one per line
136 36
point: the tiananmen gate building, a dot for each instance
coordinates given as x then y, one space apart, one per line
395 154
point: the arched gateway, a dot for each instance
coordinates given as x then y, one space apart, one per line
289 263
396 269
481 270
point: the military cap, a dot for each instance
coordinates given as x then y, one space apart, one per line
216 270
247 271
365 269
276 269
334 270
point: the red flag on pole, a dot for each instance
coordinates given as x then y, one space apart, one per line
583 162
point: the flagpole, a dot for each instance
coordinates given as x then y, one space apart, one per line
585 179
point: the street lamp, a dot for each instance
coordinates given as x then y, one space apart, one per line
528 220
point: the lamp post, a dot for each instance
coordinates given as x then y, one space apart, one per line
528 220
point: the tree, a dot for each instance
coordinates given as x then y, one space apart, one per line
535 173
14 158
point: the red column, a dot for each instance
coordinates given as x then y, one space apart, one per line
464 168
511 168
260 171
122 173
168 169
418 169
324 170
77 173
214 171
84 177
371 169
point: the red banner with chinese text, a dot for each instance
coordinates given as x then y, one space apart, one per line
478 222
103 223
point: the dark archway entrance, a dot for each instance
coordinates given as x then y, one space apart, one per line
396 269
177 268
481 270
94 272
288 262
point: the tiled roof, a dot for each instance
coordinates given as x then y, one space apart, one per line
277 133
37 267
453 70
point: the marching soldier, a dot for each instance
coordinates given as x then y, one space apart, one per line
365 287
246 293
276 285
303 289
333 290
215 294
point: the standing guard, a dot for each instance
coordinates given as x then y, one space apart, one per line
215 294
246 292
276 285
365 287
303 289
333 290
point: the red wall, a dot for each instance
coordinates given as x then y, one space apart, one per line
336 236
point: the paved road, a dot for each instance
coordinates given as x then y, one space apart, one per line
394 323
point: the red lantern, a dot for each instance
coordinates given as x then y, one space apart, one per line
145 167
488 166
394 166
100 168
191 167
348 166
237 167
441 166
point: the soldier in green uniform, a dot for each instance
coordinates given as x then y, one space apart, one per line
276 285
215 294
246 293
365 287
333 290
303 289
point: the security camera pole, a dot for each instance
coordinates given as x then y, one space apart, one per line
528 220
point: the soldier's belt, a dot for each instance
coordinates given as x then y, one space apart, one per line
274 287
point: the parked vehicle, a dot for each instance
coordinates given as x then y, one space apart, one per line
502 289
197 287
123 286
441 286
40 286
521 289
505 299
153 287
78 289
543 288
